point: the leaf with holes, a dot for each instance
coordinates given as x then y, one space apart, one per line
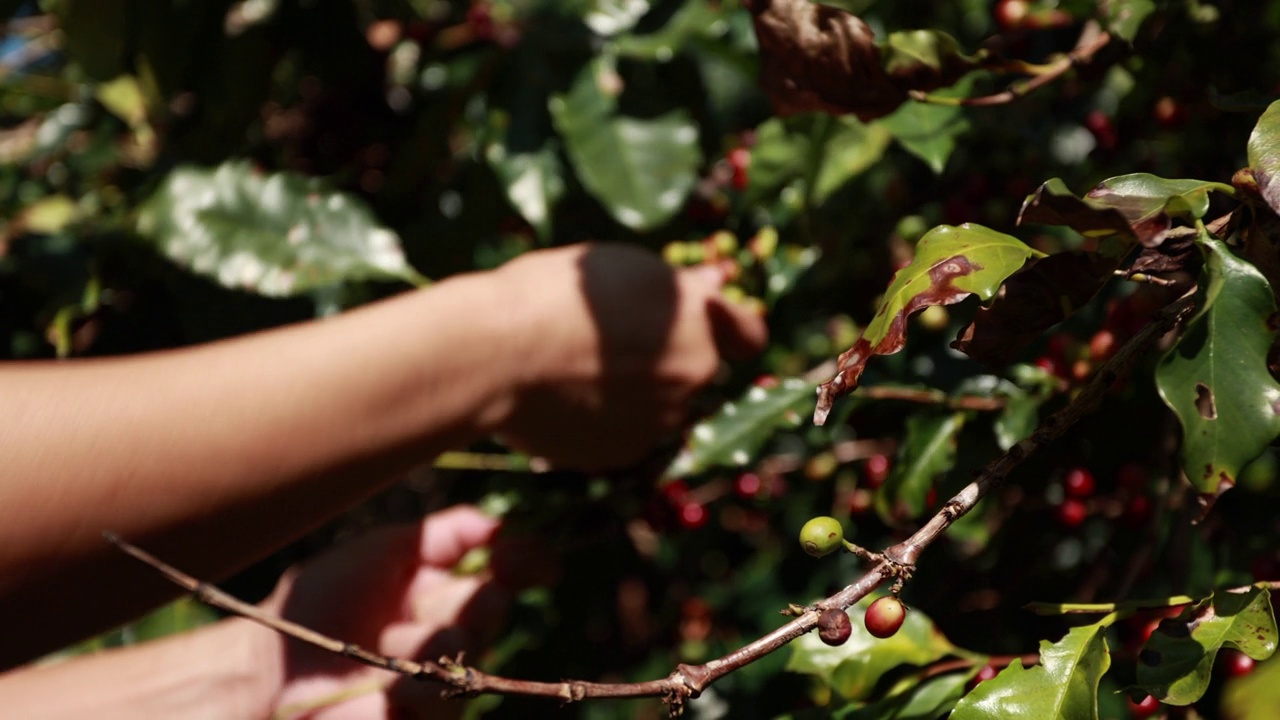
279 235
1064 685
1264 154
732 436
1176 663
1216 379
951 263
929 450
640 170
854 668
1138 206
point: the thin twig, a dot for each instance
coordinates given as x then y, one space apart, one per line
689 681
1092 40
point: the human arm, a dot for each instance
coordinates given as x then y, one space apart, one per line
390 590
216 455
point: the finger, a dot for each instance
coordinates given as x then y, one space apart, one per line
740 332
447 535
477 605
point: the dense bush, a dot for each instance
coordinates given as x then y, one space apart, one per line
176 172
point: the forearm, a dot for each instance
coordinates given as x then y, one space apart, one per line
228 670
216 455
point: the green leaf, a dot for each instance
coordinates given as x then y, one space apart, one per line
951 263
854 668
930 131
779 156
1216 378
1123 18
731 437
1176 663
929 450
917 699
1138 206
783 269
924 59
640 170
1264 154
533 181
850 149
1064 685
277 235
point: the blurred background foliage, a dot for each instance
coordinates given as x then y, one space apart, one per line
179 171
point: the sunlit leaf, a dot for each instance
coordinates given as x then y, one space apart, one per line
950 264
1264 154
1064 684
533 181
640 170
851 148
1138 206
1176 663
854 668
930 131
733 435
274 234
915 699
1216 378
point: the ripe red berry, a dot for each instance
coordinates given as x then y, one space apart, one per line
860 501
1078 482
1072 513
1104 132
834 627
480 19
1102 344
739 159
1050 365
986 673
1012 14
767 381
1147 707
675 491
1137 511
748 485
877 469
1234 663
884 616
1169 112
693 515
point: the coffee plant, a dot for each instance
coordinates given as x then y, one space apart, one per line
1010 451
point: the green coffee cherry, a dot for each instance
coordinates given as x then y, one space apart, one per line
821 536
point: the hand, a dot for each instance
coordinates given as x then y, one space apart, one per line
613 344
390 592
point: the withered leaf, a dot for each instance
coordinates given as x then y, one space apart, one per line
1033 299
815 57
1172 255
1139 206
950 264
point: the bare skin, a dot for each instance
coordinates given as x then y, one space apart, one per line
217 455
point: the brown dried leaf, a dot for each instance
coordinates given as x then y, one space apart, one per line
1032 300
820 58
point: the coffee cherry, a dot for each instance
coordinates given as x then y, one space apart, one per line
1104 132
1147 707
693 515
1050 365
821 536
1072 513
739 159
1078 482
748 485
1234 663
1012 14
987 672
1102 344
834 627
1169 112
877 470
884 616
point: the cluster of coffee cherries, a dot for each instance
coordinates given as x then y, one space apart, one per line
822 536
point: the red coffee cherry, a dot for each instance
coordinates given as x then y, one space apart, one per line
884 616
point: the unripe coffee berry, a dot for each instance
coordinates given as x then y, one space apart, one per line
834 627
884 616
821 536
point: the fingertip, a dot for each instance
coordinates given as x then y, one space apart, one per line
740 330
449 534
